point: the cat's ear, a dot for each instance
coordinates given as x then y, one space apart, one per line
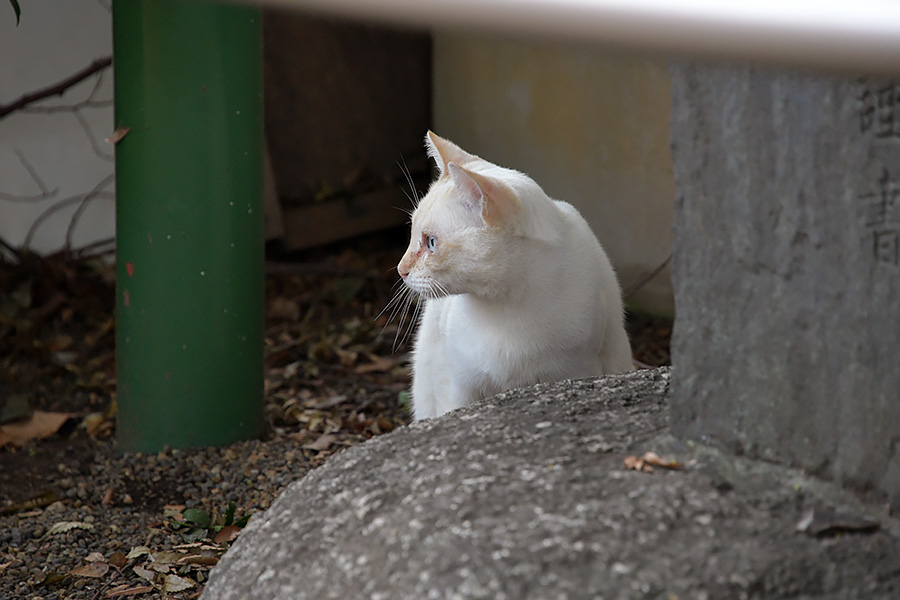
444 151
494 200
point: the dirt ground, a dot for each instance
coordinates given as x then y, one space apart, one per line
333 378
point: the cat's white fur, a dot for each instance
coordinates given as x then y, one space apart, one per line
517 289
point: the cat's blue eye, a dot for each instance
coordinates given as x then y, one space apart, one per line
430 243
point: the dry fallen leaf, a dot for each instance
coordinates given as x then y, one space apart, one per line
64 526
201 545
165 582
41 424
652 458
144 573
323 442
94 569
330 402
158 567
190 546
137 551
166 557
199 559
174 583
229 532
117 135
100 425
124 590
173 511
649 460
636 464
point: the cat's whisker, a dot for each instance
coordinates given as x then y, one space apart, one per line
441 288
402 308
398 286
391 304
413 196
436 289
409 298
413 320
408 211
395 304
399 325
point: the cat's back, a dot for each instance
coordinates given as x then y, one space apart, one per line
578 236
573 218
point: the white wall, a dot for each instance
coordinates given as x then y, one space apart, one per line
590 128
65 149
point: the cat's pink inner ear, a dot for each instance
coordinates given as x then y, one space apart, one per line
444 151
468 192
498 201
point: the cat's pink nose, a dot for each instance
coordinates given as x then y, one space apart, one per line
403 272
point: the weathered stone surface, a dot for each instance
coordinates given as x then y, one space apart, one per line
787 269
525 496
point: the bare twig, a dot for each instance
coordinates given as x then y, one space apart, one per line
57 206
645 278
98 151
104 246
45 193
77 214
57 88
16 254
89 102
49 110
81 200
31 171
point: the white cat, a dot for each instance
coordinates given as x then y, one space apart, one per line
517 289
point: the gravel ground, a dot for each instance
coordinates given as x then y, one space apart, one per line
83 521
111 507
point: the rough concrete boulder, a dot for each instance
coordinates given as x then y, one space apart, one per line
525 496
787 269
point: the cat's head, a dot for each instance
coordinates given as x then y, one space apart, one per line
465 230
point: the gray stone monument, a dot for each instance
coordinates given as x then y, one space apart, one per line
787 270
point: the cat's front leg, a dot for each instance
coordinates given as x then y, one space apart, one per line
434 393
424 403
452 397
429 372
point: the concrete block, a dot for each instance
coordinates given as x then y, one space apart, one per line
787 269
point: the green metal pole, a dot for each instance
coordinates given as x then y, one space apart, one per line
189 307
